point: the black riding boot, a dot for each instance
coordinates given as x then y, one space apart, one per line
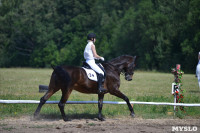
100 87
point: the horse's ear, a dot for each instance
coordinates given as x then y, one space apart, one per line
136 57
53 66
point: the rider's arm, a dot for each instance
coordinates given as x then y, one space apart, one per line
94 51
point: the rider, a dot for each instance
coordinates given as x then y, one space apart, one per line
90 55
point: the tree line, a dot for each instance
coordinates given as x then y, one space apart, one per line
35 33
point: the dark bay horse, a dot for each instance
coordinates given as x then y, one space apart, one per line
68 78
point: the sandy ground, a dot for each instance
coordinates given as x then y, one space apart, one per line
118 125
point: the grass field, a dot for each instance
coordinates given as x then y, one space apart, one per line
22 84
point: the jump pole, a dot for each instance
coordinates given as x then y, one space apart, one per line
96 102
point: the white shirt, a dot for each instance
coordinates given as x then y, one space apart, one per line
198 70
88 54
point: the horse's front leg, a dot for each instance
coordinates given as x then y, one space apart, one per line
100 106
125 98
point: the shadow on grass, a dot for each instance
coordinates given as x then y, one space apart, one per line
56 116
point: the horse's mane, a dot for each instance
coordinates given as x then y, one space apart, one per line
117 59
113 63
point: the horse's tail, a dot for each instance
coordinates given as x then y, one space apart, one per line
63 76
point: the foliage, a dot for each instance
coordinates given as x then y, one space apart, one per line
179 91
40 33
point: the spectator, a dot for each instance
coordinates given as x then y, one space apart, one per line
198 70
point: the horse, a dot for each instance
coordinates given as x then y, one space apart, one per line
68 78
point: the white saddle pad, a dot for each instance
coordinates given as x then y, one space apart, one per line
91 74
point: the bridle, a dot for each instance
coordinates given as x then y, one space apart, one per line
122 71
128 73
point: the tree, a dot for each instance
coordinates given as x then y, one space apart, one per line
40 33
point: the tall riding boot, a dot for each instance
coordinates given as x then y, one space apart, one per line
100 87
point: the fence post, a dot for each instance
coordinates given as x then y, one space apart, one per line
176 80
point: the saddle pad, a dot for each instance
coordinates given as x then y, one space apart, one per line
91 74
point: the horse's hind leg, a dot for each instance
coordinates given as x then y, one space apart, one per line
125 98
43 101
61 105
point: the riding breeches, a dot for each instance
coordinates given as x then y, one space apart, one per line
94 66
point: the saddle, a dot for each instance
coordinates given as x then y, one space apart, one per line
91 73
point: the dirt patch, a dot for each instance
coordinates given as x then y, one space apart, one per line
118 125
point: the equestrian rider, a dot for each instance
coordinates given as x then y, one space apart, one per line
90 55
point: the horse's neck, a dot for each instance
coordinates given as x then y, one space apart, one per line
119 64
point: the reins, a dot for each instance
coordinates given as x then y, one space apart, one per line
118 70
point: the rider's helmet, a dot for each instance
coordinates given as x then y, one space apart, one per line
91 36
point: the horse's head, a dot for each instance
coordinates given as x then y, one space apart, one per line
125 64
129 69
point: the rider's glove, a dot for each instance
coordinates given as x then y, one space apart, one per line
96 58
101 58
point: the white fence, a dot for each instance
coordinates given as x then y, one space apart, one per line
95 102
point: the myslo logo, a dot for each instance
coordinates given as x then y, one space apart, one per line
184 128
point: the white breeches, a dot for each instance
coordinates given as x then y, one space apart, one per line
198 73
94 66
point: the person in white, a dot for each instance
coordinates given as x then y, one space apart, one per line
198 70
90 55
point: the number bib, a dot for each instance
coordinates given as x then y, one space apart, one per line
91 74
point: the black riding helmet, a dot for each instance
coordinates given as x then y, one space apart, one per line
90 36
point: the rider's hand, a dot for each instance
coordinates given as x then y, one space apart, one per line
96 58
101 58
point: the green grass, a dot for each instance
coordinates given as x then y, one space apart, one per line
22 84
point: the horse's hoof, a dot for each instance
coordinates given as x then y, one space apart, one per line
66 119
132 115
101 119
36 116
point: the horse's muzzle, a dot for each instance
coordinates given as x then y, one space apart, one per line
128 77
